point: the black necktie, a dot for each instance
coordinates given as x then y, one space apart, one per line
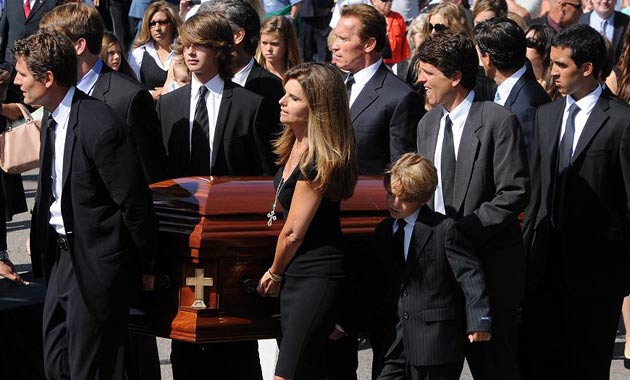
349 83
447 167
47 163
200 139
399 241
565 152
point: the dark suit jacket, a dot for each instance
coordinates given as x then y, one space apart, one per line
14 26
238 146
620 22
316 8
595 256
383 116
491 189
524 99
106 206
262 82
441 293
132 103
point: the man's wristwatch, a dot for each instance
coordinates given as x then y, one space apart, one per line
4 255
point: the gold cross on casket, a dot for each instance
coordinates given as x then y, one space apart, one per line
199 282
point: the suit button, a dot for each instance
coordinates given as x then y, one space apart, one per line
404 293
405 315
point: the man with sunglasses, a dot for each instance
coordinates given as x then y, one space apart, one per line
563 14
501 46
608 22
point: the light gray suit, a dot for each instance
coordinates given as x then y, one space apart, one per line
491 189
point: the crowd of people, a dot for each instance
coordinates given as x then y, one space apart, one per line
502 129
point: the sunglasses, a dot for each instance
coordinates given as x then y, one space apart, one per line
576 6
437 27
159 22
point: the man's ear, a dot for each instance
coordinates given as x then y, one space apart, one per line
239 36
369 45
49 79
80 46
587 70
456 79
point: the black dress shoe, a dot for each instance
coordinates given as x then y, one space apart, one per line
626 362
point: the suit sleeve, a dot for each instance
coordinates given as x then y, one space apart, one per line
402 128
531 212
467 271
511 184
4 33
121 173
265 129
624 159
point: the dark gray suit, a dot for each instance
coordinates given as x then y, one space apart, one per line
524 99
620 23
491 189
578 271
441 296
383 116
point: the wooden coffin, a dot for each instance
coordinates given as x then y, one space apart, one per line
214 246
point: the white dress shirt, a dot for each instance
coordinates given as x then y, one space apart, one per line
61 115
213 103
504 89
586 105
137 54
88 81
458 117
411 221
241 77
606 26
361 78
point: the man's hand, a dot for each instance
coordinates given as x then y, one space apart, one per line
478 336
7 270
148 282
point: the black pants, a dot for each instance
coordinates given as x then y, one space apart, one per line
496 359
119 11
77 346
313 39
342 359
396 367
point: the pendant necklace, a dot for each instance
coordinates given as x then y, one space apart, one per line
271 215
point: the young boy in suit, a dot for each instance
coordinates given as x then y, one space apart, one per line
433 276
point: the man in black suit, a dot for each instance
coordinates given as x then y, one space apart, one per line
93 218
434 280
501 47
576 226
315 16
212 127
245 25
129 100
608 22
483 183
384 108
15 24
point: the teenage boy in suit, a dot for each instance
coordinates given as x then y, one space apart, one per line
434 277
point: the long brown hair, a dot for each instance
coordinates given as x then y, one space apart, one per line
330 136
109 39
623 77
280 26
145 32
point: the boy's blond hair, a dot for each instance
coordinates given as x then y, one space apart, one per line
412 178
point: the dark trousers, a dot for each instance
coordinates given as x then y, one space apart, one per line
119 10
564 337
496 359
77 346
225 361
313 39
342 359
396 367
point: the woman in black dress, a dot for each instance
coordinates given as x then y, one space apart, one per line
318 170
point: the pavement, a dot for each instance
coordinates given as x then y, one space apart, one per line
18 230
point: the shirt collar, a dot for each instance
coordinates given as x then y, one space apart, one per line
459 114
241 77
61 114
214 85
362 76
87 82
409 219
597 19
587 103
505 88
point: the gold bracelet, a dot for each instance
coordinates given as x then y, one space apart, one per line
274 277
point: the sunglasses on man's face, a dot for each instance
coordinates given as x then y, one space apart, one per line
576 6
437 27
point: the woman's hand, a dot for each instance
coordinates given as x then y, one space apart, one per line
267 287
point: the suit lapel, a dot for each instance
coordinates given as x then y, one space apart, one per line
255 72
224 112
595 121
38 4
617 31
419 239
515 90
70 138
466 153
101 87
369 93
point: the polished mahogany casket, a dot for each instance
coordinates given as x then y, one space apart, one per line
215 244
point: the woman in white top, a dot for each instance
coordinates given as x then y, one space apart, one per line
152 51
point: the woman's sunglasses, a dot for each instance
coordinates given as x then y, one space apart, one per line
437 27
